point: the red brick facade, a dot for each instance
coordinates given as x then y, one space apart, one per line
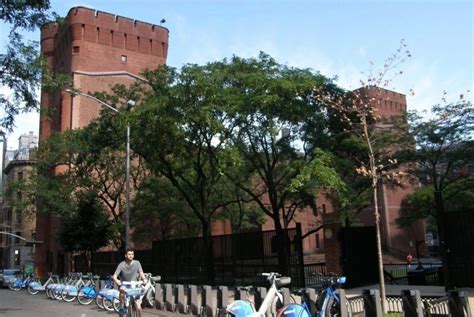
98 50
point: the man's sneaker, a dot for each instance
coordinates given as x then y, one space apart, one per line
122 311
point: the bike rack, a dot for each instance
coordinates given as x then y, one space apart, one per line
168 301
411 303
342 302
458 301
206 301
260 294
159 296
192 300
286 295
222 301
180 303
372 303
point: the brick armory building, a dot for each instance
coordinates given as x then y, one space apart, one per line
97 50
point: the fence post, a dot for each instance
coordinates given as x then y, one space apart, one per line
179 299
169 297
158 296
459 304
411 301
192 300
372 303
206 301
342 302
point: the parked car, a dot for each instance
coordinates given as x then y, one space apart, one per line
7 275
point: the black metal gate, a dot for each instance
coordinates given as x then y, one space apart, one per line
359 255
236 259
460 248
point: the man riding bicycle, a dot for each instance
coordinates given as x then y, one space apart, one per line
129 270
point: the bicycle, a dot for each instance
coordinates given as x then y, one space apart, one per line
327 303
273 299
148 293
19 283
87 294
132 294
35 286
70 292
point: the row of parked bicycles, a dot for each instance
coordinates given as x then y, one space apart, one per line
85 289
325 303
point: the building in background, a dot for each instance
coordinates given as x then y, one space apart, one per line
18 215
97 50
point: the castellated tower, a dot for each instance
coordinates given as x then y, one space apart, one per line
98 50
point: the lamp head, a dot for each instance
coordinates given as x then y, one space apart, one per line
73 92
129 105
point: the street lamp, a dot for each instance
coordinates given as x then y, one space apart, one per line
130 104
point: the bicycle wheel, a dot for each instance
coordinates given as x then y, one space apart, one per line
131 310
149 299
116 304
66 296
31 290
57 294
333 309
15 286
107 303
84 299
99 301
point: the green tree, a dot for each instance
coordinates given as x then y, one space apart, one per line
88 228
444 147
159 213
274 141
186 118
21 65
83 160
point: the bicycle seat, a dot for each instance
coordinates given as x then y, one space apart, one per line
155 278
248 288
283 281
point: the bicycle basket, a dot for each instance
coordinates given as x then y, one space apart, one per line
135 291
240 308
293 310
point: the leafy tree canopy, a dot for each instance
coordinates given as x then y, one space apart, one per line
22 68
88 228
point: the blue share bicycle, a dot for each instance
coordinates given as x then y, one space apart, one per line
132 294
87 294
327 303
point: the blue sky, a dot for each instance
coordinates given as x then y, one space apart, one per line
337 38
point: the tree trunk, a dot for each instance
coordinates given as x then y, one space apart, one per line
283 247
208 252
379 247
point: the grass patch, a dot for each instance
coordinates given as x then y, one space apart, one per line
394 315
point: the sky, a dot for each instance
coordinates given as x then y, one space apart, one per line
338 38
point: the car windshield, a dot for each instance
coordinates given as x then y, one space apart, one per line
9 272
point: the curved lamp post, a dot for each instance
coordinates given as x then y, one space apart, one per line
130 104
30 243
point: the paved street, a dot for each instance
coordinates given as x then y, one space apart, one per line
22 304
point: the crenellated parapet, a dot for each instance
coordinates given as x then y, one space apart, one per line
116 31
